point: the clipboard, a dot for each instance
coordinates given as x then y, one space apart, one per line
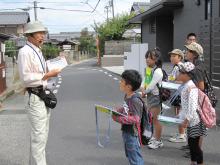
109 110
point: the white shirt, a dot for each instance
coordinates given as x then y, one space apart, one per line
175 72
156 79
30 67
189 104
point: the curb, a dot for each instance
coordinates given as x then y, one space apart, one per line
6 94
79 62
117 74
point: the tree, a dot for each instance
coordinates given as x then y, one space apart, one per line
112 29
87 42
10 48
50 51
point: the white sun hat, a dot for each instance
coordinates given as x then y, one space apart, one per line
33 27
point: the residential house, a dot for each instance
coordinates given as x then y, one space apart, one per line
68 45
167 22
139 7
13 22
3 37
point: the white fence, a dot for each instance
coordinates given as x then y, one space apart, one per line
136 58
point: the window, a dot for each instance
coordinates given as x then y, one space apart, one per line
207 9
153 25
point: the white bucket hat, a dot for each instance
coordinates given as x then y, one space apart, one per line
33 27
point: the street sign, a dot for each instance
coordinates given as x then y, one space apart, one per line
66 47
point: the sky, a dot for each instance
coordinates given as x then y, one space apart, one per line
68 21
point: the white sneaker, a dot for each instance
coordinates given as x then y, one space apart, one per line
156 144
178 139
152 139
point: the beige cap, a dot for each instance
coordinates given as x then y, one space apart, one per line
195 47
177 52
33 27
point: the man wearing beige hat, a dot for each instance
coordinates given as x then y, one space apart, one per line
34 75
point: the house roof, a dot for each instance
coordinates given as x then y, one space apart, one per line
131 33
67 35
14 18
140 7
67 42
4 37
161 7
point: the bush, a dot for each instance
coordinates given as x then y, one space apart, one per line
50 51
112 29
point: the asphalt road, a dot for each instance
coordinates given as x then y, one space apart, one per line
72 138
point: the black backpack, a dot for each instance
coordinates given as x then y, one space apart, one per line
146 124
209 91
164 93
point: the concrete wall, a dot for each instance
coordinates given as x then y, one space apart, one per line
112 60
187 20
117 47
148 37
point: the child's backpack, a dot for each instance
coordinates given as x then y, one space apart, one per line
205 109
209 91
164 93
146 125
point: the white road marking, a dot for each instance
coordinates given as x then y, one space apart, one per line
59 82
115 78
81 68
110 75
55 91
100 70
57 86
106 72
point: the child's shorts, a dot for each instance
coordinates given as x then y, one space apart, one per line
153 101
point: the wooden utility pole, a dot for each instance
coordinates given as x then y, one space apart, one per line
35 10
107 10
98 50
113 12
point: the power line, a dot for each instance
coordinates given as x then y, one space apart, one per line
73 10
96 6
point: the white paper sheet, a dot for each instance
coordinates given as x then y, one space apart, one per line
170 85
171 120
56 63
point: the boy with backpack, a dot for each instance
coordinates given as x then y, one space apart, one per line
132 107
189 113
176 57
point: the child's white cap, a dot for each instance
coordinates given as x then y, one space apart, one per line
187 67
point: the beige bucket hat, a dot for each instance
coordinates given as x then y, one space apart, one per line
177 52
33 27
195 47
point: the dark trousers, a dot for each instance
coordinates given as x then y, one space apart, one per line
195 150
